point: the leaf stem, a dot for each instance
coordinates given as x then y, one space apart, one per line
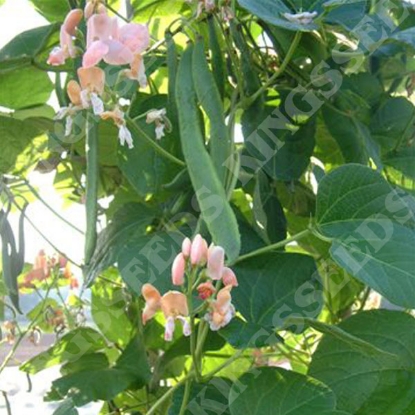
251 99
273 247
162 399
142 134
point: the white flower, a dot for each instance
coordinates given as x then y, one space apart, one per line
159 118
301 18
125 136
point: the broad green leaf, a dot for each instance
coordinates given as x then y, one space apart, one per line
132 218
71 347
24 87
205 399
393 121
274 286
402 160
268 210
66 408
88 361
108 309
282 149
275 391
241 335
16 136
20 51
131 369
365 85
380 253
371 385
352 136
144 9
52 10
146 170
149 259
353 193
210 193
372 227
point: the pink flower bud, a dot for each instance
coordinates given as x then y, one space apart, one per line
229 277
215 262
177 270
198 252
186 247
72 21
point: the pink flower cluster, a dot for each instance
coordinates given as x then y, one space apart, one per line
208 265
106 40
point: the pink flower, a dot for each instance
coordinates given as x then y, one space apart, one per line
178 270
215 262
173 304
116 46
198 252
229 277
221 310
66 49
92 7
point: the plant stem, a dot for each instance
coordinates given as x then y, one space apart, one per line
160 401
8 408
273 246
186 396
92 174
248 101
142 134
210 375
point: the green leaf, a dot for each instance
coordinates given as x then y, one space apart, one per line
393 121
16 136
210 193
144 168
352 136
282 149
69 348
205 399
108 309
89 361
66 408
275 391
131 219
149 259
52 10
366 218
353 193
268 210
130 370
24 87
402 160
241 335
380 254
20 51
365 384
145 9
274 286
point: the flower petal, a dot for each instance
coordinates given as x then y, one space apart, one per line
118 54
94 54
135 37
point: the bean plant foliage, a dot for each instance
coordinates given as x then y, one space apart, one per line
257 251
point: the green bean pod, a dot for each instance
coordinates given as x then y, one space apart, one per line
210 192
209 98
217 56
